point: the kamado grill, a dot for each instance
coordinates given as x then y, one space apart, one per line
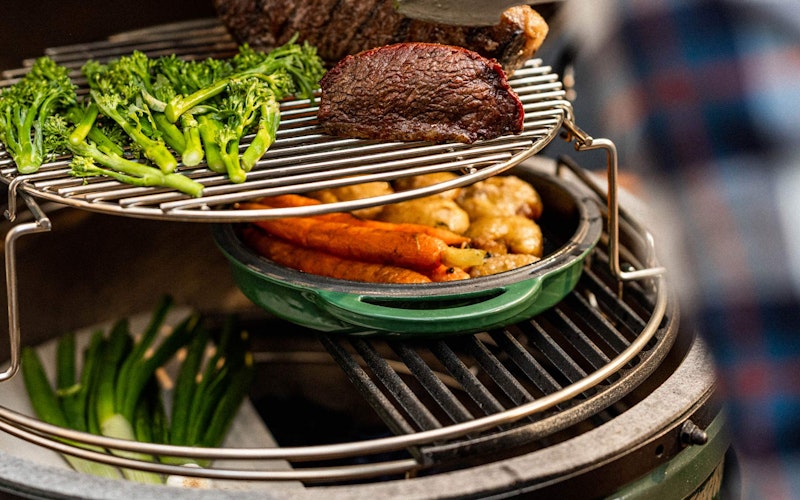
601 393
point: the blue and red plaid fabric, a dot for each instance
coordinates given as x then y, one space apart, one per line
702 99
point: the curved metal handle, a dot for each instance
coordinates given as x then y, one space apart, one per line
406 315
585 142
40 224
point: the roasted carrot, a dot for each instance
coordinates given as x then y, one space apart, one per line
287 200
324 264
443 234
294 200
447 273
380 246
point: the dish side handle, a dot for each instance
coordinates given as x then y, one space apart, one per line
468 312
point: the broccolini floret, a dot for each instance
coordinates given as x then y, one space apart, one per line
118 88
25 106
300 62
165 110
248 103
232 100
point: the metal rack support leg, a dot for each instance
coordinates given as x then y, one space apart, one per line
40 224
584 142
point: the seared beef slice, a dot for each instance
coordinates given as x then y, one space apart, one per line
341 27
419 91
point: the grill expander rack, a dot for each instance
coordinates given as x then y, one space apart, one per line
301 160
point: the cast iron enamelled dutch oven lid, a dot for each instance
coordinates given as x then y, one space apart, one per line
571 225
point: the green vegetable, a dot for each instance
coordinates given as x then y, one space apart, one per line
89 161
86 127
229 102
112 423
162 111
248 102
67 386
118 89
267 127
209 127
207 396
116 393
185 387
176 76
84 123
25 106
300 62
48 408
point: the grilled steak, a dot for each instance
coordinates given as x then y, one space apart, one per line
342 27
419 91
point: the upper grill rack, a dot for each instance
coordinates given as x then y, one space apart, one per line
302 159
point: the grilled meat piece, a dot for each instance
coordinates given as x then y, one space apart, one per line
342 27
419 91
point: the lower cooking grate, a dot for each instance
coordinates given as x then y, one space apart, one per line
454 401
418 386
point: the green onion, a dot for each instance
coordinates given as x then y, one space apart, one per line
116 394
48 408
111 422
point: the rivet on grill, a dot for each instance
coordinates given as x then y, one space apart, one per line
692 434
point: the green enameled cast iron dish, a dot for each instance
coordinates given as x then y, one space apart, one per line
571 225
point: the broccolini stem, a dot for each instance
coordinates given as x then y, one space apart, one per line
153 149
172 135
208 128
193 147
232 161
26 158
84 124
131 172
180 104
94 134
265 135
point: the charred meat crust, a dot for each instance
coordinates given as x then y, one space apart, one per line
419 91
342 27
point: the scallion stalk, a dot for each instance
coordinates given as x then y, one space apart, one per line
47 407
117 394
111 422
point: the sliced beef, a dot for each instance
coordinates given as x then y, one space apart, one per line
419 91
342 27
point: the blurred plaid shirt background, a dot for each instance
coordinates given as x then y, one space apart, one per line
702 99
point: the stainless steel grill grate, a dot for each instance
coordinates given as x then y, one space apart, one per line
458 381
302 159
